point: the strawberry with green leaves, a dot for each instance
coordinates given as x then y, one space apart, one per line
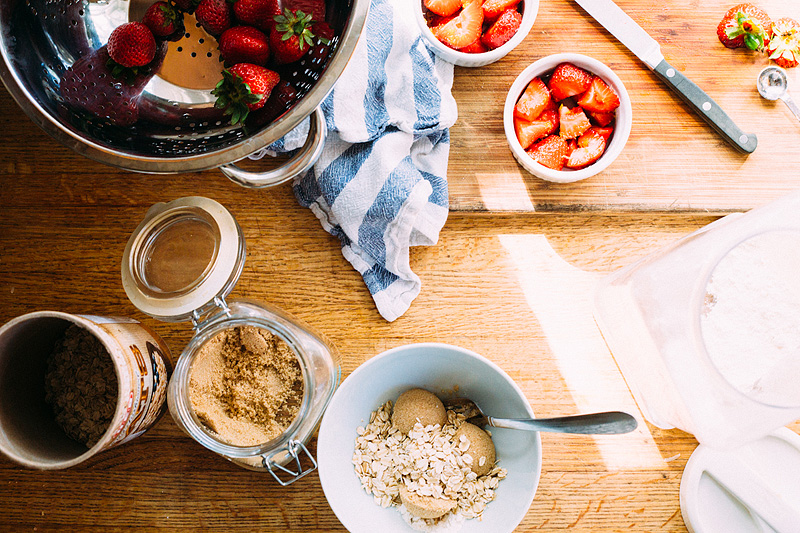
215 16
244 44
784 45
244 87
292 37
744 25
164 20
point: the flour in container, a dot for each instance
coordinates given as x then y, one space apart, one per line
751 319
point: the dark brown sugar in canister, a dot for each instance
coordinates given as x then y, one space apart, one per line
81 385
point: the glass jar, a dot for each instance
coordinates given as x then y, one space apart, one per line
180 264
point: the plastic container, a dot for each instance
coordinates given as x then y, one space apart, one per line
180 264
29 434
657 315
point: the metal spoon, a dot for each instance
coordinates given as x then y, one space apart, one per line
608 423
772 84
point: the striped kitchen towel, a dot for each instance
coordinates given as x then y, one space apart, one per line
380 184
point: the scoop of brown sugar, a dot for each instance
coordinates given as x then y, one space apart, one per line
418 405
481 447
425 506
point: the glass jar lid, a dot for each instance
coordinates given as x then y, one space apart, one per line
184 255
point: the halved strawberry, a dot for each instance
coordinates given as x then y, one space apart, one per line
744 25
784 45
533 101
445 8
475 48
494 8
574 122
464 28
503 29
530 131
601 119
568 80
552 152
599 97
591 146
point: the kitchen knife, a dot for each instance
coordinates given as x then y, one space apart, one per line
625 29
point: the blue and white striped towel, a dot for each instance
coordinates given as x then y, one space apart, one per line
380 184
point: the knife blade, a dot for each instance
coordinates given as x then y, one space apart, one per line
647 49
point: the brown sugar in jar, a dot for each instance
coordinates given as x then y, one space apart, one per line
246 385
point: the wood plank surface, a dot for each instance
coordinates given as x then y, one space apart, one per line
673 160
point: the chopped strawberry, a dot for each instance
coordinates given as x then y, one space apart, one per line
574 122
464 28
601 119
475 48
492 9
503 29
552 152
568 80
591 146
599 97
444 8
530 131
744 25
784 45
605 133
533 101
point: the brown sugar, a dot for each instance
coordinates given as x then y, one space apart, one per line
246 385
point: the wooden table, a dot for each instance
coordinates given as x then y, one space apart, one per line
492 284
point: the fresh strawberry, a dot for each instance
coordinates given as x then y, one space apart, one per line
292 37
475 48
552 152
503 29
89 85
568 80
601 119
573 122
744 25
315 8
323 37
599 97
244 44
591 146
280 100
464 28
530 131
187 6
164 20
132 45
605 133
533 101
784 45
257 13
443 8
214 15
492 9
244 87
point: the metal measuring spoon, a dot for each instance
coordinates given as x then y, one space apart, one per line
772 84
608 423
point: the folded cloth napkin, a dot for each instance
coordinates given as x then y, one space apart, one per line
380 184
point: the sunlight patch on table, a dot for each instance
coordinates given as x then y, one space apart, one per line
504 191
560 296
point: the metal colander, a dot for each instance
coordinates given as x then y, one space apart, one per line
178 129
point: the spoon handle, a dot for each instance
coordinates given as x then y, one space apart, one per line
791 105
608 423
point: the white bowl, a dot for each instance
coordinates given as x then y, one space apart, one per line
622 128
463 59
438 368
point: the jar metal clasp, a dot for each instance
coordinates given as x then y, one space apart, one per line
199 320
294 449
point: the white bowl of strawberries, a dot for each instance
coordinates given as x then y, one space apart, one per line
474 33
567 117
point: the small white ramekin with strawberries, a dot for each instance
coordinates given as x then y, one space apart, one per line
473 33
567 117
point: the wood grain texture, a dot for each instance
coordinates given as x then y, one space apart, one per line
673 160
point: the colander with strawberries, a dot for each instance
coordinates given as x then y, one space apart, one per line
165 86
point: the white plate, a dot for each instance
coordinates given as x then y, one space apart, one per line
438 368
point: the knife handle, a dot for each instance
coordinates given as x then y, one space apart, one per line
706 107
